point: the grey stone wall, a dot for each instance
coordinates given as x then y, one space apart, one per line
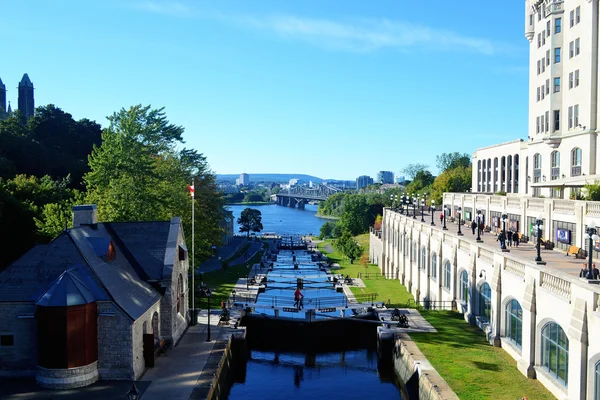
69 378
139 364
115 352
21 358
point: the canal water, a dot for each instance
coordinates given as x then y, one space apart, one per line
283 220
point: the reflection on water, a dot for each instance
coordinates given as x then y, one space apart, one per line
283 220
346 375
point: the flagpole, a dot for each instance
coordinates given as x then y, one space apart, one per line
193 257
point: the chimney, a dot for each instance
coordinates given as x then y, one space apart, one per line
86 214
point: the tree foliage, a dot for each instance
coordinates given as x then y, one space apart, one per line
411 170
356 215
422 180
448 161
454 180
250 220
592 191
348 246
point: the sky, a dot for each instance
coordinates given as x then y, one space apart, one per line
334 89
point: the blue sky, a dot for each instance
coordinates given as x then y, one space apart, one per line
335 89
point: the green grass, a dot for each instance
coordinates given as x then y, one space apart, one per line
458 351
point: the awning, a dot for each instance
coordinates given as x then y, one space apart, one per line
573 181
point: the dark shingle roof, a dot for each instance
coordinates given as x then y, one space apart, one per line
69 289
143 243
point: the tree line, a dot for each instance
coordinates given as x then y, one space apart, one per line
135 169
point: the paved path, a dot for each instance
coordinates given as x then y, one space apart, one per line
222 253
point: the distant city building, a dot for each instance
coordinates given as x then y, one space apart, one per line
310 184
26 101
399 179
385 177
363 180
293 181
244 179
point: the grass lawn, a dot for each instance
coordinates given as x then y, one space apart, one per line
459 352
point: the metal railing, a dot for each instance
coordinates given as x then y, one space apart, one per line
370 275
437 305
288 301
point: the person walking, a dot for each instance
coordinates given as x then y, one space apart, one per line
441 217
583 272
595 271
501 238
297 296
510 238
516 239
473 226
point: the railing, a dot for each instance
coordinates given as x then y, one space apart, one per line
564 206
468 197
553 6
536 204
592 209
515 268
556 285
463 244
288 301
486 255
448 305
497 201
370 275
513 203
448 239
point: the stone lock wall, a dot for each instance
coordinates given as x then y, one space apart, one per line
17 319
114 343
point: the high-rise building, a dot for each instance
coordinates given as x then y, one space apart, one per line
26 101
385 177
363 181
2 98
244 179
560 154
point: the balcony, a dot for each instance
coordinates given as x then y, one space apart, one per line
553 7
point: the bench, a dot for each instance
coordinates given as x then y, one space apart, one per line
577 251
548 245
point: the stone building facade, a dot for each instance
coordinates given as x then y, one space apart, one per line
134 274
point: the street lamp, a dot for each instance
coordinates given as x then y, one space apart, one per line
422 207
432 212
479 227
590 234
133 393
504 219
405 197
414 201
206 292
540 225
445 211
459 233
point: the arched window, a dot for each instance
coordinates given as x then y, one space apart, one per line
495 174
485 301
576 161
555 352
597 381
516 158
479 176
423 258
513 314
415 253
434 265
447 276
509 174
463 290
555 165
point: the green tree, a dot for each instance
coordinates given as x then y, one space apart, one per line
349 247
447 161
592 191
411 170
250 219
356 218
326 230
454 180
422 180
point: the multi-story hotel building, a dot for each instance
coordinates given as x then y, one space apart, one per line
560 154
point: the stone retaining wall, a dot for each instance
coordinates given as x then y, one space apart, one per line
68 378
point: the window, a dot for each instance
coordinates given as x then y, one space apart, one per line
556 55
576 115
572 18
543 65
555 352
539 40
577 15
570 117
556 85
577 46
547 57
539 16
463 290
538 94
543 37
556 120
576 162
576 81
537 161
597 381
539 68
543 91
447 276
555 165
434 266
557 25
543 123
547 86
513 314
537 124
415 254
570 80
485 301
7 340
547 28
571 49
179 294
423 258
547 120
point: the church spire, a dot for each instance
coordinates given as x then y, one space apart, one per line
9 109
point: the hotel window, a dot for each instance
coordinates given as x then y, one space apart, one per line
555 352
556 120
543 38
571 49
543 65
434 266
576 115
463 290
547 86
485 301
557 26
447 274
423 258
577 46
514 322
537 161
576 162
538 94
556 85
542 124
555 165
538 67
577 15
547 57
572 18
539 40
570 80
547 120
548 28
543 91
556 55
537 124
570 117
576 78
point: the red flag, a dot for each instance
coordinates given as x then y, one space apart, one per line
191 190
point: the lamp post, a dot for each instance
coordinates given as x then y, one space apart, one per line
414 201
590 234
445 211
432 212
422 207
540 225
459 233
405 201
478 218
504 218
206 292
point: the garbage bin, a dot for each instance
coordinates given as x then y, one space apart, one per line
194 320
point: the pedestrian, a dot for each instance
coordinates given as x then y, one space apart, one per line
516 239
297 296
595 271
510 238
583 272
473 226
501 238
441 218
481 226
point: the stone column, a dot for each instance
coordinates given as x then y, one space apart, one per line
527 361
578 351
496 316
472 271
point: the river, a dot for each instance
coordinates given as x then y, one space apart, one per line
283 220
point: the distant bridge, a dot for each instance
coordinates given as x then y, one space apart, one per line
300 195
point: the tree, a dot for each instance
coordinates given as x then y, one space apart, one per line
377 225
250 220
349 247
355 218
326 230
364 261
453 180
422 180
411 170
592 191
447 161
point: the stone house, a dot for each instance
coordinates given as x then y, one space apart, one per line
95 303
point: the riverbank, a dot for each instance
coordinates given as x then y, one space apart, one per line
331 217
250 203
